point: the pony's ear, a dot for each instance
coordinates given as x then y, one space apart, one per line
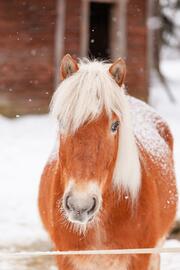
118 71
68 66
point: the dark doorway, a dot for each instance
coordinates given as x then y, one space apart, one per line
99 30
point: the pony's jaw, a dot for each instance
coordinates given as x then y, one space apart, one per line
81 204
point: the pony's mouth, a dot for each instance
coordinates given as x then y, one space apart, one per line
80 220
80 225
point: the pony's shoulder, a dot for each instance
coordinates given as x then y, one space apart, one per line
151 130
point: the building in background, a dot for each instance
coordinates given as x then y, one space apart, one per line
36 34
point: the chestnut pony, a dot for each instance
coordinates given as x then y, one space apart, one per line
111 182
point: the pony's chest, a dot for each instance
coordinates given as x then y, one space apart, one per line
100 262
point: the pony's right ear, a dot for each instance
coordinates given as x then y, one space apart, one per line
118 71
68 66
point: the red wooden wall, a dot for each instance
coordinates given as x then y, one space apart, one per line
27 51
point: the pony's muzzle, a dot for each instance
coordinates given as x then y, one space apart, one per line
80 209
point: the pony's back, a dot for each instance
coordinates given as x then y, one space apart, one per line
155 144
150 129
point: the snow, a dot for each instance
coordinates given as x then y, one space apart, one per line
145 122
25 145
170 261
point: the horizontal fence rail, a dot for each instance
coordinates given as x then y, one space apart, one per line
90 252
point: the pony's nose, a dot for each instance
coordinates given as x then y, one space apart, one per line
81 206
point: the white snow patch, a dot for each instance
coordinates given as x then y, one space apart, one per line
145 122
170 261
24 148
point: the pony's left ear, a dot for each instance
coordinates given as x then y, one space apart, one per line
68 66
118 71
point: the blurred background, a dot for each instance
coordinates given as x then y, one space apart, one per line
34 36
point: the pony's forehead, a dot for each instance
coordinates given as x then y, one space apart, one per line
67 130
93 66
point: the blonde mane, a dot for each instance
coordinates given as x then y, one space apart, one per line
82 97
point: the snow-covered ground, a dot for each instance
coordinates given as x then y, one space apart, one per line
25 144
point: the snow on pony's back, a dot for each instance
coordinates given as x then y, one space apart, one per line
149 129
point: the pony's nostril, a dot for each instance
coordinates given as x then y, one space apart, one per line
93 206
67 203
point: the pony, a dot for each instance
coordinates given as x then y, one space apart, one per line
110 184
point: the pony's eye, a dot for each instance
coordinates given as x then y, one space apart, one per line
114 126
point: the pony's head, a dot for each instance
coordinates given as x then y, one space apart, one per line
98 151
